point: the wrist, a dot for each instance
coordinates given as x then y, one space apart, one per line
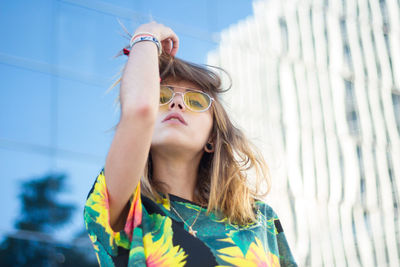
150 32
145 36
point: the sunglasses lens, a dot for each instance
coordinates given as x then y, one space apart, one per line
197 101
165 94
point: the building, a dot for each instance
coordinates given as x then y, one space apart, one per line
316 84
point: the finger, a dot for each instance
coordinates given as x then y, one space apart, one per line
170 34
166 45
175 45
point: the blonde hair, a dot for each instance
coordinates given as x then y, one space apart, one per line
222 182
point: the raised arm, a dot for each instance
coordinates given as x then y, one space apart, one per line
139 97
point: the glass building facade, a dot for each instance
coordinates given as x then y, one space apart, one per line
56 117
316 85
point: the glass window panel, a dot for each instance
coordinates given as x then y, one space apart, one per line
12 177
25 106
27 27
88 40
85 113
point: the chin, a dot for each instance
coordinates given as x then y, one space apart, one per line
169 140
173 144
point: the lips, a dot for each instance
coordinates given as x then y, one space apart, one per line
176 116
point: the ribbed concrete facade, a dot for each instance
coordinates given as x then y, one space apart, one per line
316 85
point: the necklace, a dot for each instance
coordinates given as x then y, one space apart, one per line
191 231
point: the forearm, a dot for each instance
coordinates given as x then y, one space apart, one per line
139 97
140 80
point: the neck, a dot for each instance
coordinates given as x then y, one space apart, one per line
178 172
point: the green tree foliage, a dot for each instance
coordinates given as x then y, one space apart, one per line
33 244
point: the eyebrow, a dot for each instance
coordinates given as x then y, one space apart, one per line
183 87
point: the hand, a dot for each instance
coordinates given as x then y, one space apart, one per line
169 40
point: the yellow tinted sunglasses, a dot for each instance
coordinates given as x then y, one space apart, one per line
194 100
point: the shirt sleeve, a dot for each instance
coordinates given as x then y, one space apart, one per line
97 219
284 253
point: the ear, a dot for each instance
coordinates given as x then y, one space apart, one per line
209 147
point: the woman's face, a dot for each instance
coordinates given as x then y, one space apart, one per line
172 135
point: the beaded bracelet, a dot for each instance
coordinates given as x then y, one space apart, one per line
141 33
144 36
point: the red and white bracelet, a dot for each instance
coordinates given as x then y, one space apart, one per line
144 36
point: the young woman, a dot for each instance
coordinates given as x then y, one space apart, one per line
174 190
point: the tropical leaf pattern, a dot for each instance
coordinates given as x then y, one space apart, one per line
155 236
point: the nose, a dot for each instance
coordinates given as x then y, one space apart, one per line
177 101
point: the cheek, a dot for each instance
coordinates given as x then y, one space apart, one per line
203 127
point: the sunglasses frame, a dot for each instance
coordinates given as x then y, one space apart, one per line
188 90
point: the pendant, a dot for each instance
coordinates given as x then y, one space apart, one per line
192 232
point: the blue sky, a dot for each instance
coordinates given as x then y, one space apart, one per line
56 62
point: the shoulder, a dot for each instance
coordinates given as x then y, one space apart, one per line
99 179
269 216
265 209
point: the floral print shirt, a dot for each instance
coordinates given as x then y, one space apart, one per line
155 236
